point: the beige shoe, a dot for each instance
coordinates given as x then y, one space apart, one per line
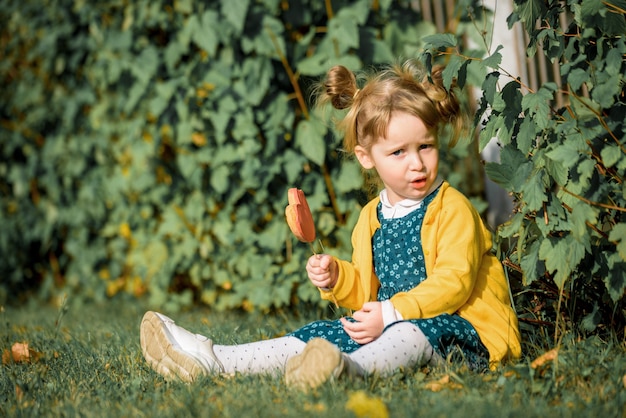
174 352
319 362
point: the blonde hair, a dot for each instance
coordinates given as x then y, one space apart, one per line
397 88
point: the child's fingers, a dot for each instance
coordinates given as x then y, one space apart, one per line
357 331
324 260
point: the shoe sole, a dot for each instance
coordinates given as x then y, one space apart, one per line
160 354
319 362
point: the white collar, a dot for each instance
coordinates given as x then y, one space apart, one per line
404 207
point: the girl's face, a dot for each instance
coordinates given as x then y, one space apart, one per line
407 160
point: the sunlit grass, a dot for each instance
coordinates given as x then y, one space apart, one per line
91 365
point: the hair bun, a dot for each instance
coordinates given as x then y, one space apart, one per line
341 87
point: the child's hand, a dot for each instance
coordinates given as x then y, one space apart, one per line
322 270
369 325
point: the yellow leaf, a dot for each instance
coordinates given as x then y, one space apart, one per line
247 306
166 131
138 287
443 383
363 406
125 230
113 287
198 139
19 393
551 355
6 357
163 176
104 274
20 353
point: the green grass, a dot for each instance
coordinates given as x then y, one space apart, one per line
91 365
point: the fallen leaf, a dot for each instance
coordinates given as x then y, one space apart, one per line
363 406
442 383
551 355
20 353
6 357
19 393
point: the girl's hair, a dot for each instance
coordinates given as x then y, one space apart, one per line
397 88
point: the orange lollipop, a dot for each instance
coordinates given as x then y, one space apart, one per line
299 216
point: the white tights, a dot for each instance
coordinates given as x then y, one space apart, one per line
401 345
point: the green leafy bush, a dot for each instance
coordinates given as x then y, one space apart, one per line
565 165
147 147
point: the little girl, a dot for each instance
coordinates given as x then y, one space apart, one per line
423 282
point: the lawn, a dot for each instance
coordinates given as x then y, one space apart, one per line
86 361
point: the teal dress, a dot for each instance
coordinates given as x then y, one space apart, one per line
399 265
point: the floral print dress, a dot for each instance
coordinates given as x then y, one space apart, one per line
399 265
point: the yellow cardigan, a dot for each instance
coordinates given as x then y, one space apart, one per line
462 274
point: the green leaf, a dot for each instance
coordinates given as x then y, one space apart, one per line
220 179
606 93
203 31
439 41
504 173
537 104
310 138
144 68
594 14
591 321
527 135
273 237
489 87
530 264
529 11
269 42
350 177
616 279
235 12
561 256
566 153
495 59
381 51
451 70
585 169
557 171
258 74
293 164
343 30
582 214
576 78
164 93
314 65
610 154
533 190
585 108
500 174
618 235
512 226
614 62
